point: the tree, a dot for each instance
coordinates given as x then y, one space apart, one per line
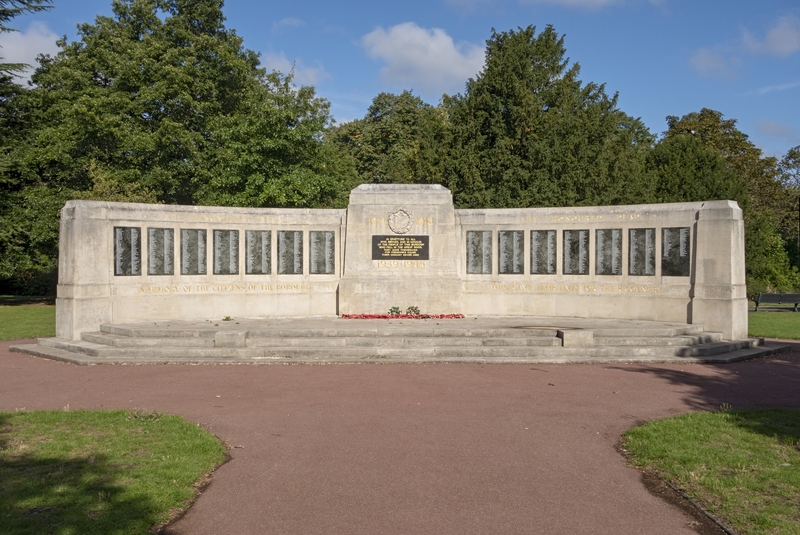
683 170
721 135
161 102
400 140
790 178
269 153
527 132
768 205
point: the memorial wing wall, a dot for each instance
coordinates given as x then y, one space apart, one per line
128 262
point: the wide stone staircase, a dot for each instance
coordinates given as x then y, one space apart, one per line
474 339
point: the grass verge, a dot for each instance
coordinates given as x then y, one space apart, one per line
784 325
743 466
27 321
104 472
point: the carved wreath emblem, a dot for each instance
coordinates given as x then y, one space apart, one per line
400 220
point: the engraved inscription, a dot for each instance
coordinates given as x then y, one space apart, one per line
608 252
223 288
642 251
511 251
675 246
543 252
400 264
290 252
400 247
576 252
127 251
226 252
258 246
576 218
193 252
321 251
479 251
160 251
576 288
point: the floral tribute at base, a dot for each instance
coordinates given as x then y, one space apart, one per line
401 316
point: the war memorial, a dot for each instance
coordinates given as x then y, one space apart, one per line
147 283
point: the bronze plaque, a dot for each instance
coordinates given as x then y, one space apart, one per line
400 247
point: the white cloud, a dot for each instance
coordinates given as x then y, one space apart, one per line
709 63
303 75
771 88
24 46
782 40
423 59
776 130
289 22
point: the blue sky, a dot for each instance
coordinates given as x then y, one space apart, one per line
663 57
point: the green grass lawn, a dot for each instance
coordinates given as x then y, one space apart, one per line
743 466
99 472
27 321
784 325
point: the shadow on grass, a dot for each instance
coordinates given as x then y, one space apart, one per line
14 300
783 425
65 494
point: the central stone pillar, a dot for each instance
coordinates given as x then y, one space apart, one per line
401 250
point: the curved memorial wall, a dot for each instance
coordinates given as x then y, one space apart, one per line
401 245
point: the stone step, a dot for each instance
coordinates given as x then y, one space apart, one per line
157 332
576 358
615 341
395 330
645 330
401 341
391 341
127 341
312 352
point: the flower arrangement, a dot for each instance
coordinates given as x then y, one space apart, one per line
412 313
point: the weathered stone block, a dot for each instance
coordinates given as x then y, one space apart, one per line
576 338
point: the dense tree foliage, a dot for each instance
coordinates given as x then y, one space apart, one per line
401 140
682 170
769 204
161 103
15 258
790 178
528 132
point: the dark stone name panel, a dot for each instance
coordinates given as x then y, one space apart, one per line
400 247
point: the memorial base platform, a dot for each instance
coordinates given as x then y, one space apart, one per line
482 339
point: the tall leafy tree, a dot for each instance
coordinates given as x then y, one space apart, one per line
790 178
683 170
14 123
161 102
270 152
721 135
400 140
528 132
768 204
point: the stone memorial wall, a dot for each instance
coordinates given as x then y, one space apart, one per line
401 245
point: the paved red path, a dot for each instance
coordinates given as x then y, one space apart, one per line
415 449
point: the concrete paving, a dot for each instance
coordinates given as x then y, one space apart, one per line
415 448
